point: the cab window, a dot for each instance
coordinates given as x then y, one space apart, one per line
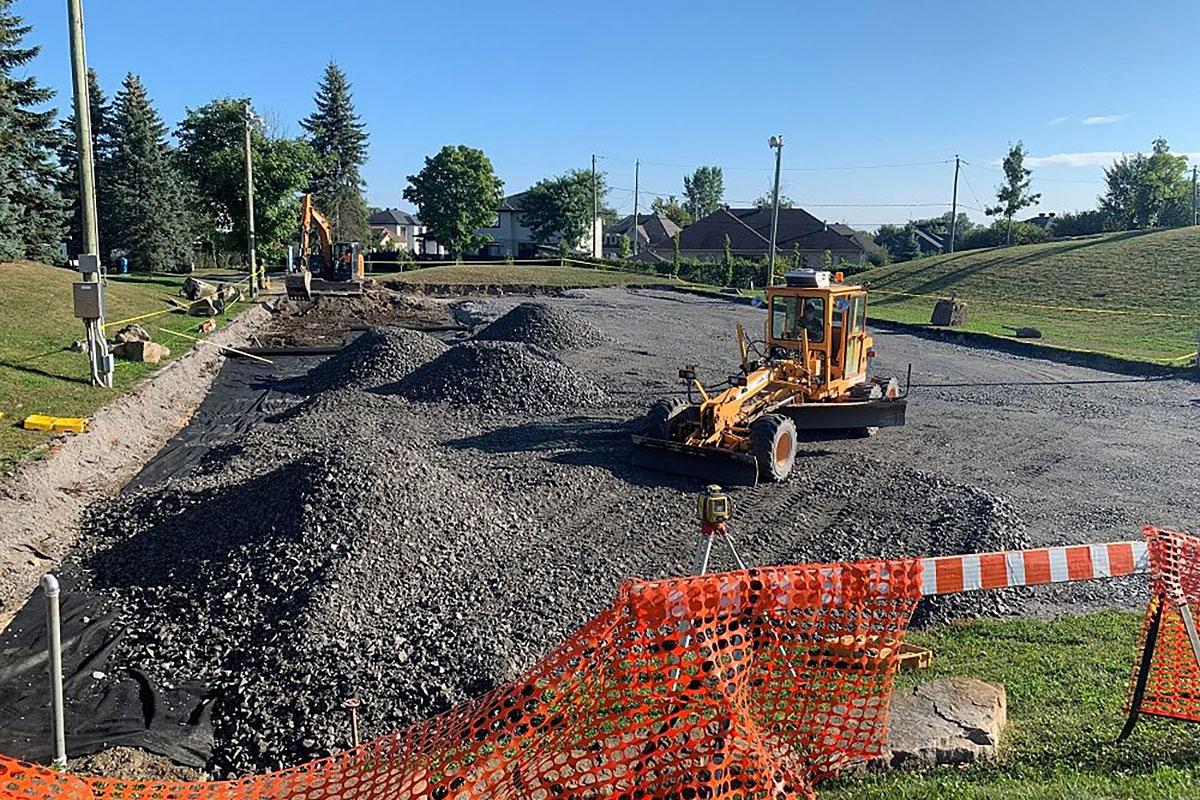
789 315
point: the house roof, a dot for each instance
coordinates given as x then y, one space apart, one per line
514 202
653 229
749 230
861 239
392 216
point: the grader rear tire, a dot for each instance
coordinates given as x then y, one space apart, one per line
773 442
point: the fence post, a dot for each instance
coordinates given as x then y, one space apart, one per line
54 651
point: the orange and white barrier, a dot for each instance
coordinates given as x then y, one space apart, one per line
1036 567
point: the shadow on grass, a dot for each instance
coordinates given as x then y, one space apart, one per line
21 367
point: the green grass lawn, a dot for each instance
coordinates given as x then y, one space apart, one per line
1066 681
1137 272
510 275
39 374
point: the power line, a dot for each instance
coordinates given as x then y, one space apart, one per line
836 168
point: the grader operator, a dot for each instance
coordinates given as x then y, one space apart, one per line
810 372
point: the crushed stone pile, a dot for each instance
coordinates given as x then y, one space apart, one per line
549 328
376 357
501 376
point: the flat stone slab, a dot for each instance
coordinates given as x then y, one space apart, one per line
945 721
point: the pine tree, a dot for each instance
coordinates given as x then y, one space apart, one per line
339 138
32 214
149 209
68 160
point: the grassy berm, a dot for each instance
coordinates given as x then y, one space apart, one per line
1133 273
39 374
1066 681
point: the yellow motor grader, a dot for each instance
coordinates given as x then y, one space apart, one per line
810 372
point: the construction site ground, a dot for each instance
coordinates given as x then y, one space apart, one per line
344 532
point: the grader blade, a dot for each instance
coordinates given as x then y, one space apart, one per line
709 464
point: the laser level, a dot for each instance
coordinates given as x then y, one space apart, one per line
713 505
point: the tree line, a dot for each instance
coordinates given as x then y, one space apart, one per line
163 205
1142 191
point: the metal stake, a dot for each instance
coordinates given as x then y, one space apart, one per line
351 705
54 651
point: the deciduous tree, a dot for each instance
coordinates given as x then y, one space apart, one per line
560 208
703 189
673 210
212 155
1014 193
457 193
32 213
1148 191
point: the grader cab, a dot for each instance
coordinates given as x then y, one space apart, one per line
808 372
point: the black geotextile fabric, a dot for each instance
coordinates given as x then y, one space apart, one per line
119 706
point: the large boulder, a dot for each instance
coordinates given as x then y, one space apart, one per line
194 289
945 721
132 333
206 307
148 352
949 313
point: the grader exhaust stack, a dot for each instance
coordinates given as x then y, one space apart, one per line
810 372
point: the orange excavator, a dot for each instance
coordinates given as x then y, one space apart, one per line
333 268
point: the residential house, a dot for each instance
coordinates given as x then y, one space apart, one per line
510 238
654 231
1042 220
749 235
399 230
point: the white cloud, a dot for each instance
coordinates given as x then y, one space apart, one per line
1097 159
1104 119
1058 120
1101 158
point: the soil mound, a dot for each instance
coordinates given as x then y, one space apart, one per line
540 325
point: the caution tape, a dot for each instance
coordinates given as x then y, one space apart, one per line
160 312
1035 567
1075 309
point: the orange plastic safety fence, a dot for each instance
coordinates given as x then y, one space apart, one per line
735 685
1173 683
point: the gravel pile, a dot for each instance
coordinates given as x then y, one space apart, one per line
418 554
501 376
540 325
376 357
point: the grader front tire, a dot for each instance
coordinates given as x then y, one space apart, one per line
773 442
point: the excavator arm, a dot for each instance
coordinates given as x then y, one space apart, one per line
310 218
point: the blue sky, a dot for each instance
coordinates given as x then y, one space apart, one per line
540 86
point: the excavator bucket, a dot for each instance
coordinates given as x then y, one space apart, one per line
299 285
709 464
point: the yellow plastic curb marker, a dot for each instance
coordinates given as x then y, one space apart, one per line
42 422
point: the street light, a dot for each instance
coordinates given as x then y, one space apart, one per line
776 144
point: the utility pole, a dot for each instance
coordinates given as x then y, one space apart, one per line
88 295
637 166
83 130
597 252
251 256
1195 207
954 205
776 143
